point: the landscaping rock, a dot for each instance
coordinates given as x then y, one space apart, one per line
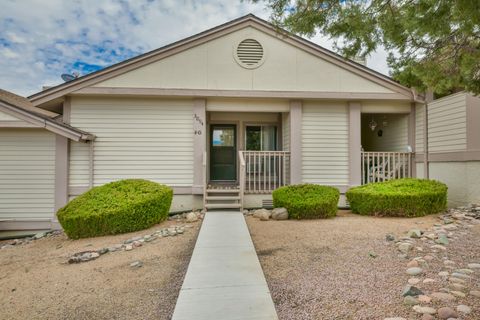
410 301
390 237
413 281
191 217
427 316
136 264
279 214
427 310
83 256
411 291
424 299
464 309
414 233
475 293
128 247
474 265
412 264
39 235
446 312
262 214
458 294
442 239
405 247
414 271
442 296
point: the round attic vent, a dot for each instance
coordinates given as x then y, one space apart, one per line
249 53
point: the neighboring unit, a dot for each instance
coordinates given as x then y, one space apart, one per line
453 143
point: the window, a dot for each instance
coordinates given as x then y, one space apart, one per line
223 137
261 138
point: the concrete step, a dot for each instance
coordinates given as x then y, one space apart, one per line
223 191
222 205
221 198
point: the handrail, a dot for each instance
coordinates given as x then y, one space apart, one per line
378 166
243 173
204 168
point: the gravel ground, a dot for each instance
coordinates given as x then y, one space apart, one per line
323 269
35 282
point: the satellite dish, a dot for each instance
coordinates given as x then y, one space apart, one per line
68 77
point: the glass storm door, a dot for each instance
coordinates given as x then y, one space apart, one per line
223 152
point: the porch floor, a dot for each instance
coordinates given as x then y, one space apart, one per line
224 278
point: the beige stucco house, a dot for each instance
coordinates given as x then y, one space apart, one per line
224 117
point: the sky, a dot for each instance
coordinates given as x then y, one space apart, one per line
42 39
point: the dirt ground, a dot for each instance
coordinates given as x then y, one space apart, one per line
322 269
35 282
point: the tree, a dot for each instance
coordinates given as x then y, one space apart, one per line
431 44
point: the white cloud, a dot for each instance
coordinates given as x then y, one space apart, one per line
39 40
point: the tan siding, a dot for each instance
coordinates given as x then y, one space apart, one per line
419 127
79 162
211 66
447 124
6 117
395 134
325 143
136 138
27 174
286 131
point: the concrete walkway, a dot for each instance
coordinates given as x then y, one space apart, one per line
224 279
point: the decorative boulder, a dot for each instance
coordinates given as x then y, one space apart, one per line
262 214
279 214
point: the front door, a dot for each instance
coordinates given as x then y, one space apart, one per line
223 152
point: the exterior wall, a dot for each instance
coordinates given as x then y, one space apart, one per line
211 66
325 158
186 202
419 128
136 138
395 134
27 175
447 124
462 179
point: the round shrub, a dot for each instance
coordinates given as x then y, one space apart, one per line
399 198
116 207
307 201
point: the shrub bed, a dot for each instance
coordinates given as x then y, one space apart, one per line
116 207
307 201
399 198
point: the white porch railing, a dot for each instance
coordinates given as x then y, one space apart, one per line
263 171
383 166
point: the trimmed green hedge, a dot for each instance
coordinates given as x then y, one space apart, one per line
307 201
399 198
116 207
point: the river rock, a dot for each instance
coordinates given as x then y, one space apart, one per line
411 291
427 310
464 309
405 247
414 271
191 217
446 313
279 214
410 301
474 265
415 233
442 296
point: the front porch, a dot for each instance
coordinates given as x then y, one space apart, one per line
247 155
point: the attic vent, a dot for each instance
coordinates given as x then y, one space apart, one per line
249 53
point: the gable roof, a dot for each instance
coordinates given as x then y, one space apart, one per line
216 32
23 109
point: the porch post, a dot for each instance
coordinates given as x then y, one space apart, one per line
355 143
295 142
411 137
199 144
